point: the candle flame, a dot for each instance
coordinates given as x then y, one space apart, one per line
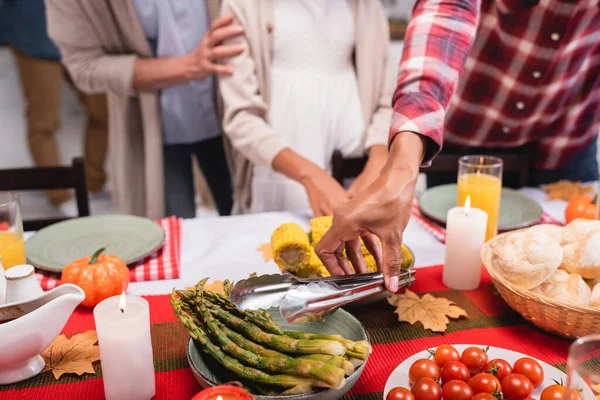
219 397
467 205
122 302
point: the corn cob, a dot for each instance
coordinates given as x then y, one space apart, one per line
290 247
371 263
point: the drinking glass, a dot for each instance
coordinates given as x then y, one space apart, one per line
481 178
12 244
583 368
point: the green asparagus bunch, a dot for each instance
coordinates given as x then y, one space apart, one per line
267 359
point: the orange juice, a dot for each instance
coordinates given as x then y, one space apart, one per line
485 193
12 249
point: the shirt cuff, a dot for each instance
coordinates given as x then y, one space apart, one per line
423 115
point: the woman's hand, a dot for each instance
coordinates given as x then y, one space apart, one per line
202 61
325 194
381 211
378 155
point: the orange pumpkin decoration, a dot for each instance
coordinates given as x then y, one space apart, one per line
100 276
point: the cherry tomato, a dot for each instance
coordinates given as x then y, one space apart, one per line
400 393
444 354
423 368
559 392
457 390
498 367
531 369
474 358
516 387
485 383
484 396
426 389
455 370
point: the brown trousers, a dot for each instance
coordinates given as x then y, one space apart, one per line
41 81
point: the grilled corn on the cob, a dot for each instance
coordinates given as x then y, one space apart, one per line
315 268
320 225
290 247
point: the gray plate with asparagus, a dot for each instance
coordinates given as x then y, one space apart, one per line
271 358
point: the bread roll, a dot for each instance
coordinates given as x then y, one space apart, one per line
595 298
583 255
526 258
554 231
562 286
579 227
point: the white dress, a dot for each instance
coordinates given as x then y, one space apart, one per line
315 103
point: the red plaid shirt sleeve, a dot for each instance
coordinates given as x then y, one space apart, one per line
438 39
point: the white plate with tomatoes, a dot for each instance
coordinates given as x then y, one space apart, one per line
458 372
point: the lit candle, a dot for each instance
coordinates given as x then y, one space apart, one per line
465 234
224 392
123 327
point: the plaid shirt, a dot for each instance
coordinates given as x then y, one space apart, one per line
502 73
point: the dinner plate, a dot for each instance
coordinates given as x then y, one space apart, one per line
399 376
129 237
209 373
516 210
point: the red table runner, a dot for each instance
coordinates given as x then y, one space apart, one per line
162 264
491 322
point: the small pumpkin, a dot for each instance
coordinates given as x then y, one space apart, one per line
582 206
100 276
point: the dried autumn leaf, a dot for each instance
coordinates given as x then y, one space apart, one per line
265 249
432 312
72 356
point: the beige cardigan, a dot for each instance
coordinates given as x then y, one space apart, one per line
99 41
246 93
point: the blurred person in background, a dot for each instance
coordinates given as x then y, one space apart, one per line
313 77
155 59
23 29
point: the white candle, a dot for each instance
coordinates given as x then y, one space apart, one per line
123 327
465 234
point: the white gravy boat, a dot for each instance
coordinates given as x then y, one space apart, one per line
32 326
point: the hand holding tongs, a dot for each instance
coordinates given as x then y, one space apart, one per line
303 300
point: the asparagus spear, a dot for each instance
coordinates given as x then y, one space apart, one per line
278 342
331 376
338 361
259 317
251 374
358 349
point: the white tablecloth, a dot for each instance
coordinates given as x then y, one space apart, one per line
226 247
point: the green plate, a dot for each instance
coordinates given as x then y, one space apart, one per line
209 373
516 210
129 237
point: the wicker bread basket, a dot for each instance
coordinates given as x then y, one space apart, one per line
568 320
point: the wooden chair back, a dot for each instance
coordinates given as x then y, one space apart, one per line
48 178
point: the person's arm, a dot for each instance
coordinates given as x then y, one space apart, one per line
438 40
92 70
152 74
245 122
95 71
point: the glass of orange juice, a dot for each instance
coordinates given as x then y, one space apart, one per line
12 244
481 178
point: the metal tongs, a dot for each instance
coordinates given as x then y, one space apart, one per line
305 300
